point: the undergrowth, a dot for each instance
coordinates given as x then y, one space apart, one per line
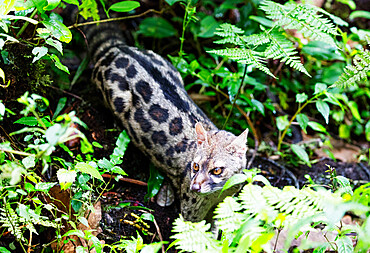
274 66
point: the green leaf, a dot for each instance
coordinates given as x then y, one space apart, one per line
171 2
28 121
320 87
367 130
344 244
359 14
52 4
261 20
2 75
29 161
301 97
282 122
208 27
301 153
88 169
354 109
344 184
156 27
154 183
39 52
344 131
58 30
56 44
124 6
58 64
44 187
317 126
234 180
66 178
80 69
259 106
302 120
324 109
61 103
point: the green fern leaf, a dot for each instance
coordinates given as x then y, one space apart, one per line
193 237
303 18
283 49
245 56
357 72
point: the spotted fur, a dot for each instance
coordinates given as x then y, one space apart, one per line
147 94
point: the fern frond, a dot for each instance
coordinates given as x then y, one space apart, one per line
283 49
256 39
193 237
246 56
303 18
356 72
10 220
231 34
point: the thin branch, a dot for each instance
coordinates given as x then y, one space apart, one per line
236 97
129 180
115 19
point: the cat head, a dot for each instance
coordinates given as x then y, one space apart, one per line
219 155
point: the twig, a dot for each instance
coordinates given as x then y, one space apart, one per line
236 97
125 179
277 238
159 234
66 92
115 19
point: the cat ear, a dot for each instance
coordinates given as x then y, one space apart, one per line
201 134
239 145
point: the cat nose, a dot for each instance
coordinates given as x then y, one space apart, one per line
195 187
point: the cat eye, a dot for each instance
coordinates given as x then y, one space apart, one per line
195 166
217 171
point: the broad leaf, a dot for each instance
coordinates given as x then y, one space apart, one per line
324 109
39 52
302 120
156 27
301 153
124 6
88 169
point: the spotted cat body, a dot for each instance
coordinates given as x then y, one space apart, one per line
147 94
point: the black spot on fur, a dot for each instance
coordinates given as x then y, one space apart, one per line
146 142
189 212
133 134
193 119
159 158
166 85
159 137
135 99
181 146
143 122
99 77
169 162
176 126
193 200
153 58
158 113
143 88
175 78
127 115
102 53
131 71
121 62
188 167
185 197
108 59
170 151
119 104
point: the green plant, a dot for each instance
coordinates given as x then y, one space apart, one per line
249 221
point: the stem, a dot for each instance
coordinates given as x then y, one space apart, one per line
184 25
236 96
294 116
15 152
115 19
26 24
